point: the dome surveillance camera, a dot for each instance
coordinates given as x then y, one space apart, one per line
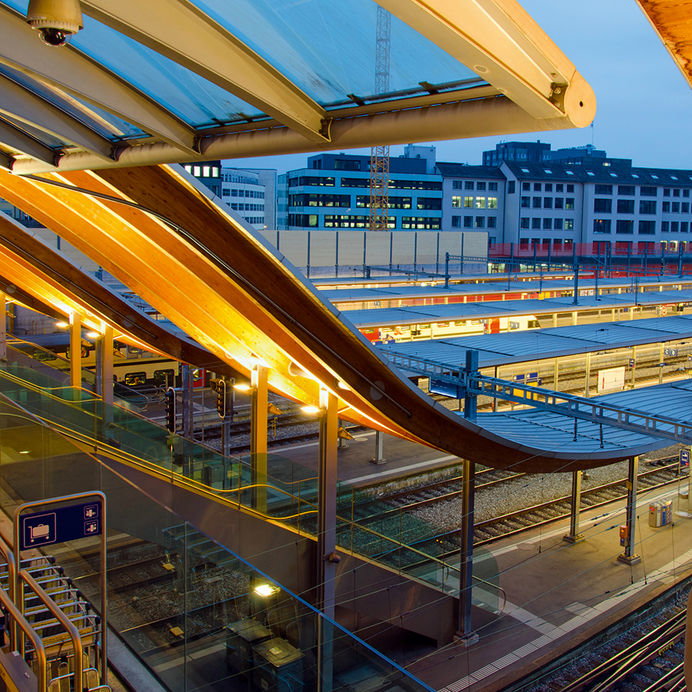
55 20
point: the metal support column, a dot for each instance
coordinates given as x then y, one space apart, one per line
574 536
327 557
379 448
446 270
687 514
465 632
3 327
75 350
587 375
105 343
258 436
471 400
186 386
629 557
575 299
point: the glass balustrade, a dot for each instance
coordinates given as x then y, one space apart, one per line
198 615
400 541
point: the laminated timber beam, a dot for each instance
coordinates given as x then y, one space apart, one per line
57 285
235 295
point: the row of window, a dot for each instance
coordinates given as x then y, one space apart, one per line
237 178
474 202
474 221
644 227
362 221
675 207
203 171
547 202
624 206
547 224
257 194
675 192
627 190
479 185
548 187
330 181
362 201
242 206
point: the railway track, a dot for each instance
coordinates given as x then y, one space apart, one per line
447 544
644 651
559 508
367 510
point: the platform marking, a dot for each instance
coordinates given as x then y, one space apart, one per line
390 472
555 632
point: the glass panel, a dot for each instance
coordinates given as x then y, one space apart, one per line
327 48
401 541
105 124
197 614
192 98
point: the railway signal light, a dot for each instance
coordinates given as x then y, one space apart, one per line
171 409
222 391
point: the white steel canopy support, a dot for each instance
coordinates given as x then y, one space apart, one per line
13 138
182 32
25 106
68 69
500 42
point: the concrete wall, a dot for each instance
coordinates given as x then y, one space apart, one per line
326 252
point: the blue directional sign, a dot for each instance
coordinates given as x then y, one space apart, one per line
684 458
61 524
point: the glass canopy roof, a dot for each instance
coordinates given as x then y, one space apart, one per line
186 74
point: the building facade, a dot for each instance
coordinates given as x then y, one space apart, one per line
333 192
552 199
244 191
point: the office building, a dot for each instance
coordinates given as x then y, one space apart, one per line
333 192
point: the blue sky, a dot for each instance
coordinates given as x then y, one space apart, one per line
644 103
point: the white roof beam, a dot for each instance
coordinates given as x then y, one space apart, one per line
183 33
72 71
13 138
27 107
481 117
501 43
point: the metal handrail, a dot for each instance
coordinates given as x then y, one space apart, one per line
201 489
548 400
39 650
77 648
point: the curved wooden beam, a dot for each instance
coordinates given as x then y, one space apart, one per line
230 291
58 288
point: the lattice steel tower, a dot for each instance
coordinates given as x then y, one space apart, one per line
379 155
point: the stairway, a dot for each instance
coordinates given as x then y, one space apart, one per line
37 640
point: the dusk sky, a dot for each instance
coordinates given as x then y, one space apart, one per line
644 107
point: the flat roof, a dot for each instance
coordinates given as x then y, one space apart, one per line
545 430
554 342
342 295
423 314
346 281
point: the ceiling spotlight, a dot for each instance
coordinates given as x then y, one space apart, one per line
310 410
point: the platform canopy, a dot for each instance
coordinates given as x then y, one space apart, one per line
161 81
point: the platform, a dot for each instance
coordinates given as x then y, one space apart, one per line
560 594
